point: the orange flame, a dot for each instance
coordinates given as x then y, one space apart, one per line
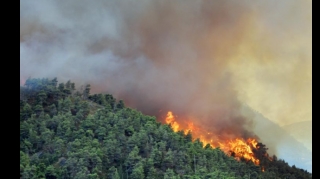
170 120
238 148
241 148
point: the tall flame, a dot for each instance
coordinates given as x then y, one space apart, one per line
170 120
238 147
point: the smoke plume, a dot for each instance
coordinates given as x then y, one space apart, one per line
200 59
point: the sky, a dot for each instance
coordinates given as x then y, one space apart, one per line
201 59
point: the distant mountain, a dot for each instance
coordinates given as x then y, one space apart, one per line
279 141
302 131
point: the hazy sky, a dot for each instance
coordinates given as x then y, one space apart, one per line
201 59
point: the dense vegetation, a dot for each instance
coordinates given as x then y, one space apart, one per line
65 133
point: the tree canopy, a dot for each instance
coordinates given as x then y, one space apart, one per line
65 133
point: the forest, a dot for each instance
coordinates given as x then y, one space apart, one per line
69 133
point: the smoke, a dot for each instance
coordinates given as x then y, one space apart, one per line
200 59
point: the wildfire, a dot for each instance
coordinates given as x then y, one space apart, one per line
238 148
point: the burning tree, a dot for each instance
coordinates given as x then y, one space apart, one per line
249 150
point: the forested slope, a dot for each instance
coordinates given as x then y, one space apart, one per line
69 133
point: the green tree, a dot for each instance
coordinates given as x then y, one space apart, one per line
113 173
137 172
29 172
86 91
120 105
169 174
54 82
38 109
26 112
111 100
132 160
50 172
168 160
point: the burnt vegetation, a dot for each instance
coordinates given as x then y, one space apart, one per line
69 133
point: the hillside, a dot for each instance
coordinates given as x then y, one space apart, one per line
65 133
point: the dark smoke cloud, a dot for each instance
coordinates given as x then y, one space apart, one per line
163 55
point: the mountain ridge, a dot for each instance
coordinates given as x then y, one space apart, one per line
280 142
302 131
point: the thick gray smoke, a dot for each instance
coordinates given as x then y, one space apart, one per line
184 55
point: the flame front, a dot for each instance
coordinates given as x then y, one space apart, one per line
238 147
